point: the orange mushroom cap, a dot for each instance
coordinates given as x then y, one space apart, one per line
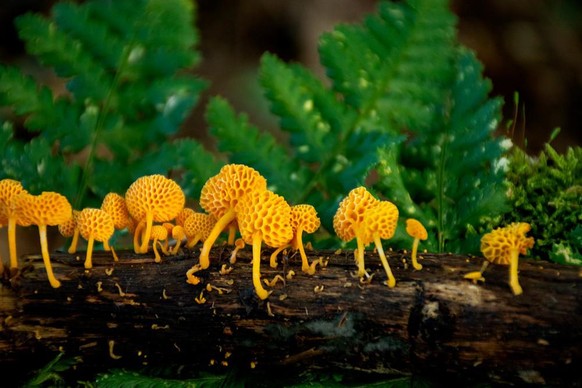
198 227
48 208
350 213
67 229
183 215
94 225
154 198
415 229
223 191
379 220
114 204
304 216
496 245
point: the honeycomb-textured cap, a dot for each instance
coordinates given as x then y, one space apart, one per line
350 212
223 191
48 208
379 220
114 205
95 223
159 232
156 193
8 189
267 213
496 245
67 229
305 216
199 223
415 229
183 215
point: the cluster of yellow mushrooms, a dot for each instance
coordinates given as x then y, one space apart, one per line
235 200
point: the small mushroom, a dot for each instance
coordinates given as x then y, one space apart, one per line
220 195
379 223
349 218
198 227
303 219
239 244
8 189
179 235
94 225
69 229
416 230
263 216
159 233
114 204
153 198
503 246
183 215
46 209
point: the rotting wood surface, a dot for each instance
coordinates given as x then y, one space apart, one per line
135 313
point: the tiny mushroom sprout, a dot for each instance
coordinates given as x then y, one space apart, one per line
349 218
46 209
153 198
503 246
179 235
69 229
379 223
220 195
416 230
114 205
198 227
94 224
159 233
239 244
264 216
303 219
9 188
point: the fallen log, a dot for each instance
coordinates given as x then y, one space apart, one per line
135 313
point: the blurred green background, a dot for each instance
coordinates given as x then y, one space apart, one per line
532 47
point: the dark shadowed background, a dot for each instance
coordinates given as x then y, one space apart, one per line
532 47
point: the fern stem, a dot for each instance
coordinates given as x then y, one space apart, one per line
99 123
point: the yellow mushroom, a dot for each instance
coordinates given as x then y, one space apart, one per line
46 209
159 233
69 229
183 215
8 189
220 195
153 198
94 225
303 219
348 221
263 216
198 227
179 235
239 244
416 230
503 246
379 223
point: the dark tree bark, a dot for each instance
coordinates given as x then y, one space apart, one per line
136 313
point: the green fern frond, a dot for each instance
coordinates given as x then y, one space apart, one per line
124 65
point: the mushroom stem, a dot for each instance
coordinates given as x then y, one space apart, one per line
89 256
136 234
216 230
273 261
513 280
391 282
174 250
415 263
148 232
261 292
158 258
193 241
12 242
115 258
305 267
231 233
360 258
46 258
74 242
